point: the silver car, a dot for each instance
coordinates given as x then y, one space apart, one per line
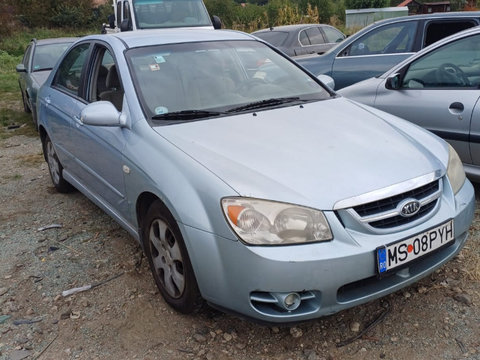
265 195
39 59
438 89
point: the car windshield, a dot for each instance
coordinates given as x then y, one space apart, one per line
152 14
205 79
46 55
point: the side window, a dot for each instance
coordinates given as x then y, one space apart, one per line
394 38
126 10
105 84
455 65
119 13
332 34
304 38
26 57
315 36
68 76
437 30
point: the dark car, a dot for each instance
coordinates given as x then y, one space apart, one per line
38 60
301 39
376 48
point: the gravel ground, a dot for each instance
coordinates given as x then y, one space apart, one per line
126 318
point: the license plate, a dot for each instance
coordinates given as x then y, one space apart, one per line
402 252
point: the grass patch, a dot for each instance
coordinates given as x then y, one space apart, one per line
8 75
12 177
14 122
16 44
31 160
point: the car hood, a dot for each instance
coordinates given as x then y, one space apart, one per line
314 155
39 77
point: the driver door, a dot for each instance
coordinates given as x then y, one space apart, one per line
439 92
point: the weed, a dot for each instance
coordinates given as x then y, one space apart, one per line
15 122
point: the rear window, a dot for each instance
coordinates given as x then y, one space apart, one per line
438 30
275 38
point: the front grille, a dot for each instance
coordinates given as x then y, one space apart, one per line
400 220
384 214
391 203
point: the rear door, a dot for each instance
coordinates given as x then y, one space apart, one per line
374 53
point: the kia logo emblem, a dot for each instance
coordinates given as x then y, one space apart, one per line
409 207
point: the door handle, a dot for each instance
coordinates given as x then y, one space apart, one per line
456 107
47 100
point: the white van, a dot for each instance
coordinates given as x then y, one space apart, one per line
132 15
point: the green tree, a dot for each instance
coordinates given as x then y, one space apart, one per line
366 4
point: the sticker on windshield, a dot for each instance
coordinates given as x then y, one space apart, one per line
160 110
154 67
159 59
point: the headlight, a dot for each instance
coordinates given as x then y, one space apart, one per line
455 171
261 222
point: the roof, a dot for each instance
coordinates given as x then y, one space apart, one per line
170 36
55 40
289 27
407 2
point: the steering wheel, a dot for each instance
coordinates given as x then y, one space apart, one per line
451 74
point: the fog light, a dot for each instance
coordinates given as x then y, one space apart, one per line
292 301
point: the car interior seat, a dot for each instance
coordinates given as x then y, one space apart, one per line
114 92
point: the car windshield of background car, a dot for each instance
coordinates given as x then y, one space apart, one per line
166 14
218 76
46 56
275 38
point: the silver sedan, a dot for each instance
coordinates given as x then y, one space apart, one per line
248 183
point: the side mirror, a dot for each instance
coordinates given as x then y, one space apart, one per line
126 25
111 21
102 113
393 82
217 23
327 80
21 68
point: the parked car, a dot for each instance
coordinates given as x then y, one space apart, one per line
301 39
376 48
133 15
38 60
438 89
277 200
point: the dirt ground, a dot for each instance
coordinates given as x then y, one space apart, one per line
126 318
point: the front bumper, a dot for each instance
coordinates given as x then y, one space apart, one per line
328 277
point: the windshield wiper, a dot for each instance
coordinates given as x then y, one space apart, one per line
187 115
265 103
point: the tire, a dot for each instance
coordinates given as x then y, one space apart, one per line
55 168
169 260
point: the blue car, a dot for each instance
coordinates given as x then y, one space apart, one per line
248 183
376 48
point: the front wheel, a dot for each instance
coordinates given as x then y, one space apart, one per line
168 259
55 168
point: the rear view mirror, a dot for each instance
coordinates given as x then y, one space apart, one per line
126 25
327 80
21 68
393 82
102 113
217 23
